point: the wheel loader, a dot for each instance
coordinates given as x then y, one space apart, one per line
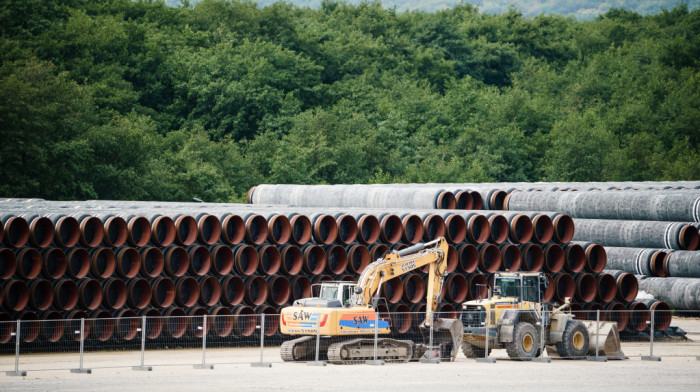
344 314
514 317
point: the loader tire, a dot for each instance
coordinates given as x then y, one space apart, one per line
525 344
471 351
574 341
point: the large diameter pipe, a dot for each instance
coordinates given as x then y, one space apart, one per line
478 286
627 285
30 326
255 290
681 264
152 262
301 287
244 320
314 259
90 294
627 205
200 260
337 259
413 288
292 260
325 228
457 288
433 227
574 258
52 326
596 257
209 290
41 230
115 230
65 294
232 290
278 290
639 316
127 324
208 229
115 294
246 259
637 234
511 257
232 229
103 262
301 229
468 258
128 262
661 312
29 263
279 229
564 287
8 263
393 290
606 287
187 291
532 257
358 258
40 294
401 318
478 229
586 287
195 325
139 293
162 230
489 258
221 320
638 261
102 324
390 228
347 228
185 229
412 228
78 263
73 324
368 228
270 259
177 261
175 322
678 293
16 230
498 228
162 292
154 322
554 258
617 312
222 259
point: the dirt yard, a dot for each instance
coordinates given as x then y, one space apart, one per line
173 370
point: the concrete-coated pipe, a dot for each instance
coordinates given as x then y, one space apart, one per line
28 263
78 265
586 287
679 293
244 320
292 260
478 286
401 318
90 294
278 290
255 290
52 326
368 228
162 292
682 264
40 294
103 262
627 285
232 229
128 262
574 258
498 228
616 311
553 258
232 290
478 229
606 287
510 257
337 259
153 261
154 322
115 294
456 288
532 257
301 229
8 263
660 311
270 259
279 229
177 261
638 261
200 260
65 295
358 258
468 258
185 229
325 228
637 234
393 290
175 320
314 259
127 324
301 287
246 259
638 316
489 258
16 231
433 227
564 287
347 228
412 228
222 259
221 320
102 325
413 288
73 324
209 290
187 290
139 293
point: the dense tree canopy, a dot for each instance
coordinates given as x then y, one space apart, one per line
125 99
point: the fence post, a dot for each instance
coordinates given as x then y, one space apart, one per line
81 369
262 344
17 372
597 340
651 356
486 358
431 358
543 321
318 343
143 347
204 364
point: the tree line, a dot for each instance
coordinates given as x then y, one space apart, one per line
139 100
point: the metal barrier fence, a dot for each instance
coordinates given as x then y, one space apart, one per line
82 344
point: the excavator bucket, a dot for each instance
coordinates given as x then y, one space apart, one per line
604 335
447 337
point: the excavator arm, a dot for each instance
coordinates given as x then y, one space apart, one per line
395 264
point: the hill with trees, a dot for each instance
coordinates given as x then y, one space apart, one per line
126 99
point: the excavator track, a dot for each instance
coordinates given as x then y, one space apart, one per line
303 349
359 350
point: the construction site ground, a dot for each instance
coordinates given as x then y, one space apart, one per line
678 370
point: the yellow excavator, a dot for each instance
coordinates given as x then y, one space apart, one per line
345 311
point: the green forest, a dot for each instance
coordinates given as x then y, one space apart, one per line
139 100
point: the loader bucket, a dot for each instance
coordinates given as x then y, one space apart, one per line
607 338
447 337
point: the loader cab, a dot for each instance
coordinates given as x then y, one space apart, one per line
335 292
522 286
